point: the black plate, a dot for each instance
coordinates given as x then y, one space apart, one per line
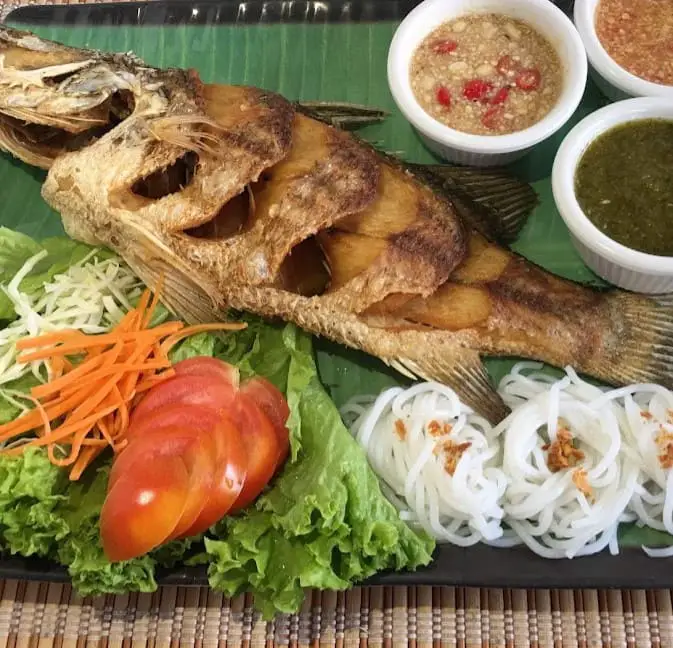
478 566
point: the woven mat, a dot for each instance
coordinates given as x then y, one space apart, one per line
42 615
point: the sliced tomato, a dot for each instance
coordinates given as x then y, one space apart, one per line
274 405
199 390
231 476
143 508
198 451
189 417
209 367
261 441
227 449
168 439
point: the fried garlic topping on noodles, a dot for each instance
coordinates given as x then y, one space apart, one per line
570 482
436 458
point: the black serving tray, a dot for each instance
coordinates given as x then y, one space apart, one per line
479 566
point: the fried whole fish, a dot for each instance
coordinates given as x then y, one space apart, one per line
239 199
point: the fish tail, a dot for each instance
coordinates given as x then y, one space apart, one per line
641 348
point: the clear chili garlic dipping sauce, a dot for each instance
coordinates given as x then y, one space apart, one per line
486 74
638 36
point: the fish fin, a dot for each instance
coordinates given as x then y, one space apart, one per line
342 115
492 200
184 294
642 351
467 377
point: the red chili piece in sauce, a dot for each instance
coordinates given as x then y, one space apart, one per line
493 117
506 65
445 47
477 90
528 79
444 96
500 97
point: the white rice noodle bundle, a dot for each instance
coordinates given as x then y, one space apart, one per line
511 484
648 431
414 440
575 510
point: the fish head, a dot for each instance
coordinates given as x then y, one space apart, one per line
145 187
55 99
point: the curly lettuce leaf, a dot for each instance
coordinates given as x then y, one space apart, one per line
179 551
31 493
43 514
324 523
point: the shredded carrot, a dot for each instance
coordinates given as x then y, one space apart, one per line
48 338
95 382
73 347
85 458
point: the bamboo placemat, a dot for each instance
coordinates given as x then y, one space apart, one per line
46 615
42 615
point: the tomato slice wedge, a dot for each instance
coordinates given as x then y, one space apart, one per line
274 405
190 417
163 438
230 440
197 390
209 367
228 450
231 476
196 448
261 441
143 508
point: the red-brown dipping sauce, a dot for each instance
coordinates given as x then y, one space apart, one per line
638 36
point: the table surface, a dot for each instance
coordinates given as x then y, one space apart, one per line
42 615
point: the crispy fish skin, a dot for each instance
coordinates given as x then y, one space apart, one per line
239 201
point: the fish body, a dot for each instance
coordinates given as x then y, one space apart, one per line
236 198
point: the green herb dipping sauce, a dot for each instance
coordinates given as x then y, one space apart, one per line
624 184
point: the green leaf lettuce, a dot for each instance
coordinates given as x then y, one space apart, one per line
42 513
324 523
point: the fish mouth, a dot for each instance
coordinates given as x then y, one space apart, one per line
38 139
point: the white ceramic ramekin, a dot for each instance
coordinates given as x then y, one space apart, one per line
486 150
616 263
613 80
